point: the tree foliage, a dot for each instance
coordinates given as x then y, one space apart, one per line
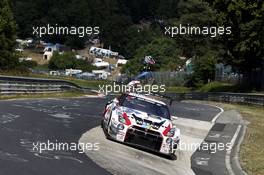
8 59
68 61
163 50
136 27
204 68
245 47
167 51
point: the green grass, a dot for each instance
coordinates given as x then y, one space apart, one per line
178 89
226 87
42 67
89 83
69 94
80 82
209 87
218 87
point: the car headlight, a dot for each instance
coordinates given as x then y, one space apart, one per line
169 140
139 121
155 126
123 118
120 127
171 132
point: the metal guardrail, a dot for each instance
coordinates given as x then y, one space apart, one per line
10 85
25 85
238 98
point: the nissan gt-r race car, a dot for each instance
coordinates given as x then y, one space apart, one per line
142 121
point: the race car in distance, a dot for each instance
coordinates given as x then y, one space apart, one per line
142 121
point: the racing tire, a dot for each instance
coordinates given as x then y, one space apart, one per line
172 157
102 123
106 128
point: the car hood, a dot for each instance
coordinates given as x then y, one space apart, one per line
140 118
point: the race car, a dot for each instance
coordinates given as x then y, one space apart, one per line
142 121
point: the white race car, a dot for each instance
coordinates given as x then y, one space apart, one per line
142 121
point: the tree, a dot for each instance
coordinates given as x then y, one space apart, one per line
163 50
204 68
8 59
245 46
194 13
67 61
61 62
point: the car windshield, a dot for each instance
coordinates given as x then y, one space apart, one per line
149 107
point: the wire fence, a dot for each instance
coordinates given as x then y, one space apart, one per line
170 78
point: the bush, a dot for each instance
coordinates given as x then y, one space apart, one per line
29 64
204 68
218 87
67 61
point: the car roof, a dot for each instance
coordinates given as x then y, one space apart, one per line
147 97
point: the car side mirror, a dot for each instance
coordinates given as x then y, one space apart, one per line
174 118
109 102
116 101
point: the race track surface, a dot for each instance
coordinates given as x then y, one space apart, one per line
25 122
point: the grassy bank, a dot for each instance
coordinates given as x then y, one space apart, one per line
178 89
218 87
69 94
209 87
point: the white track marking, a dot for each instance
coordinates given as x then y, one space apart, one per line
217 115
228 152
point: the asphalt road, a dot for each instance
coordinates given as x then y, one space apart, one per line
194 111
23 123
28 121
